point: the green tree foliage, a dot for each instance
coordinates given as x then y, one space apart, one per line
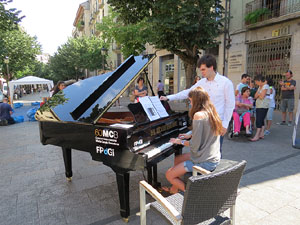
9 18
182 27
21 49
130 38
36 68
75 56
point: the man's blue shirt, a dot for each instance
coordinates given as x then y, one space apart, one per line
5 110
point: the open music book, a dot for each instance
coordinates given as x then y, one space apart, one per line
153 107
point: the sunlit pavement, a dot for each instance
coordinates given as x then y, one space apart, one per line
34 190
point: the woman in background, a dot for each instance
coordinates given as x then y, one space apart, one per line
140 89
197 78
262 106
243 105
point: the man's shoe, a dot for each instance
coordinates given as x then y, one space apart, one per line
290 124
267 132
281 123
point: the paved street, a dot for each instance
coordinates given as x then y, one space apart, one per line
34 189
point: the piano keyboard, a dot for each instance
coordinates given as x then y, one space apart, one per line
161 148
158 150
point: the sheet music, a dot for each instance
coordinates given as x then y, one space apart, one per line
149 108
158 106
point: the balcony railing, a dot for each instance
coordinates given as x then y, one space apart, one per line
260 10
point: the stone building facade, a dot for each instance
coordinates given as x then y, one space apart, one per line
90 13
267 44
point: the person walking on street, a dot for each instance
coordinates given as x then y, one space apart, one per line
287 97
5 113
160 89
219 88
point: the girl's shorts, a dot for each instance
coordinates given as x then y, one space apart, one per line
210 166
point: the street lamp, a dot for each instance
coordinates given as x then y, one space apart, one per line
103 52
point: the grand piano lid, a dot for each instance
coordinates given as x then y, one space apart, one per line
87 100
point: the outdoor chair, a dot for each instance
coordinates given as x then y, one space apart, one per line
224 164
206 197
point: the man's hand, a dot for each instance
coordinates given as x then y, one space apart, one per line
224 130
163 98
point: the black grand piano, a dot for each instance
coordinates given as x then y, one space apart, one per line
80 118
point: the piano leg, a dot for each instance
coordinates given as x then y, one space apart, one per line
156 184
123 188
149 175
67 154
152 176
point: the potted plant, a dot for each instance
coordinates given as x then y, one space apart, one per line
257 15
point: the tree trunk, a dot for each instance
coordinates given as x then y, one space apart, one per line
190 73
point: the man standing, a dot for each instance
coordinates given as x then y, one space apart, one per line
245 81
5 113
160 89
219 88
287 97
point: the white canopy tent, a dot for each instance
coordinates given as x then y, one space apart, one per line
29 80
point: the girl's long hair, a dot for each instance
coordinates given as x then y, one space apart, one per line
56 88
201 102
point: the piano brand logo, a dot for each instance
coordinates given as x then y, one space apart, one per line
163 128
107 133
139 142
105 151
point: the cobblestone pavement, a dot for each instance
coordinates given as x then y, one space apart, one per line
34 189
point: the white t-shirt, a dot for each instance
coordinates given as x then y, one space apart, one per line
221 93
240 86
272 98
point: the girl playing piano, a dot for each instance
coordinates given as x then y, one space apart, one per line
204 142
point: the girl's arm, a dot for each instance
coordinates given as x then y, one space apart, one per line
184 136
180 142
263 93
256 94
